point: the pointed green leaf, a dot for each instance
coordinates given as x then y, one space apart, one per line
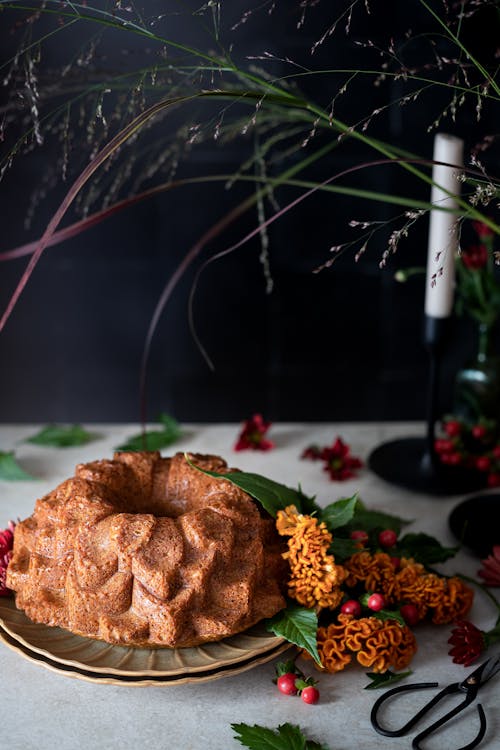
285 737
62 436
272 495
425 549
339 513
297 625
384 679
154 440
10 471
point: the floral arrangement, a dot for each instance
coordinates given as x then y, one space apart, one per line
377 596
358 586
473 446
478 286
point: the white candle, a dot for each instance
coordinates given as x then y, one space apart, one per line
443 237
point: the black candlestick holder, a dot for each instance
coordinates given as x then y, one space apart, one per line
412 462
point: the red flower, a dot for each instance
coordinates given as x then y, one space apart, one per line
338 461
490 572
6 544
468 643
475 257
252 435
482 230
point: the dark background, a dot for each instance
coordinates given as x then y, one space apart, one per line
343 344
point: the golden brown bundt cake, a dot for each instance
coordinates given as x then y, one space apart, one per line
147 551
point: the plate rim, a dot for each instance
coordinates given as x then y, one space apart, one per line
10 628
229 670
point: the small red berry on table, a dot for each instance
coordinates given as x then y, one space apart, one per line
310 694
286 683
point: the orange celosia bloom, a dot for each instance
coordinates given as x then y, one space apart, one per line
378 644
455 603
446 598
375 571
315 579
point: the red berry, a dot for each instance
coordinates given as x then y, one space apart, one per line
359 535
443 446
286 683
453 428
376 602
494 479
409 613
310 694
479 431
387 538
483 463
452 459
396 562
351 607
496 451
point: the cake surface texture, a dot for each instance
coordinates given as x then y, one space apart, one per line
148 551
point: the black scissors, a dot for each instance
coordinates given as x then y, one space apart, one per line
470 686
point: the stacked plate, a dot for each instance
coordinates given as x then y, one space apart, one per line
96 661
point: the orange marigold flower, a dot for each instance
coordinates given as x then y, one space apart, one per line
455 602
375 571
315 579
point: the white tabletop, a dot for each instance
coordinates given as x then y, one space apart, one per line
41 709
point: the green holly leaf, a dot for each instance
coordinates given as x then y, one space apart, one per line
339 513
10 471
297 625
272 495
385 679
285 737
62 436
425 549
154 440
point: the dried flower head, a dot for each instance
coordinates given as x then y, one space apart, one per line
490 572
378 644
253 435
315 578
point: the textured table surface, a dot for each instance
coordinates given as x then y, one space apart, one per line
43 709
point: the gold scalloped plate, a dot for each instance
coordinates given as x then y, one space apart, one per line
139 680
98 657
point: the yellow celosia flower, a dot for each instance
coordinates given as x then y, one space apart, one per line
315 579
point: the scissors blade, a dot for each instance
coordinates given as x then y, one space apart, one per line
482 674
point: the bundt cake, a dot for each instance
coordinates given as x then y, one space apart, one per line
147 551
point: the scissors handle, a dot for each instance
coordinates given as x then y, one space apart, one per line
449 690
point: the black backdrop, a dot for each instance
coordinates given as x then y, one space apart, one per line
343 344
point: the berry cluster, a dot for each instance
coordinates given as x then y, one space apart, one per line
475 446
291 681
